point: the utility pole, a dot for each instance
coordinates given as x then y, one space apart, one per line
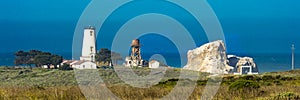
293 56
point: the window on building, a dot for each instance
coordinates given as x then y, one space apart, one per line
92 48
91 33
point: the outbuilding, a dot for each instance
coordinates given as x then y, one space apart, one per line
84 65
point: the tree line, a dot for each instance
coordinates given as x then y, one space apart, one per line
37 58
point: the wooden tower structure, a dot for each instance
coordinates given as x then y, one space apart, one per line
135 55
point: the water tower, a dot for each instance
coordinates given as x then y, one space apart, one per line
135 50
135 58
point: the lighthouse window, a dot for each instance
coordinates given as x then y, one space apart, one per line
92 49
91 33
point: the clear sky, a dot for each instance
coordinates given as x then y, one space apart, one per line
250 26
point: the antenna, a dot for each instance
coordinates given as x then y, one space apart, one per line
293 56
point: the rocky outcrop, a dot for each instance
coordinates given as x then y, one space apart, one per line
210 57
236 62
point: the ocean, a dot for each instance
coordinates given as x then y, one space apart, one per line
265 62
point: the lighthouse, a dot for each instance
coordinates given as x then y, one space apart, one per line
88 51
88 45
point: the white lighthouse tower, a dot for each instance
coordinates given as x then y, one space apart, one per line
88 45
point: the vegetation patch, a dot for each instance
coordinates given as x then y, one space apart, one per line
286 96
244 85
53 84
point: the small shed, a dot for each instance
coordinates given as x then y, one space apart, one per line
154 64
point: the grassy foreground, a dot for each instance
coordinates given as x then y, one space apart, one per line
34 84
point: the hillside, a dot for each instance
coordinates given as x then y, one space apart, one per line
57 84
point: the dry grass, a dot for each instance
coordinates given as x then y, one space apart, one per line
36 84
130 93
38 93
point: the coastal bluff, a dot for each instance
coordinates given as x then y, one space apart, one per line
212 58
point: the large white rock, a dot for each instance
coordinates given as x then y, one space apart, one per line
210 57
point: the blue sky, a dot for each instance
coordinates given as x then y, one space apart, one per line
250 26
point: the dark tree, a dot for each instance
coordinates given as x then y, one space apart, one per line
21 58
38 58
56 60
32 54
65 67
104 55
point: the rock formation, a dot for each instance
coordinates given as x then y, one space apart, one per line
236 62
210 57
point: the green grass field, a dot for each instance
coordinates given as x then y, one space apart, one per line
53 84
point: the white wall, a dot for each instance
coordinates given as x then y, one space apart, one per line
86 65
153 64
89 40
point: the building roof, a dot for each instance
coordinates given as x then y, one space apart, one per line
67 61
74 62
80 62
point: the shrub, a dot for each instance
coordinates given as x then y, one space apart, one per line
38 87
287 96
267 78
286 78
201 82
251 77
248 77
65 67
278 76
228 78
277 82
244 85
266 83
169 82
25 71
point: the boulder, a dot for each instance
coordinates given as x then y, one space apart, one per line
210 58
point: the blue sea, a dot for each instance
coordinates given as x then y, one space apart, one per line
265 62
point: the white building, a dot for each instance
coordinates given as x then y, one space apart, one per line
51 66
81 64
133 62
245 70
154 64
